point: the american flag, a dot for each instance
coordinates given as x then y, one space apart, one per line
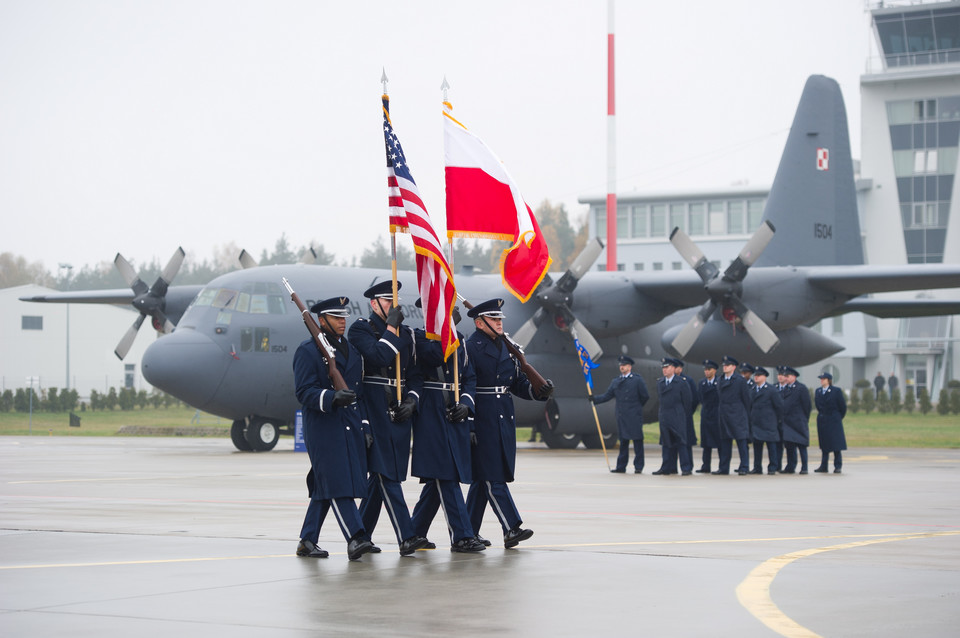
409 214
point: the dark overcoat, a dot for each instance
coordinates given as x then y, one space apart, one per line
766 412
796 413
694 403
675 402
831 408
709 413
734 407
334 437
441 449
390 453
631 395
495 455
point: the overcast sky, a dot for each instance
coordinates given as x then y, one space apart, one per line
135 127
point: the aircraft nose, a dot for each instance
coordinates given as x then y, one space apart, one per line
187 365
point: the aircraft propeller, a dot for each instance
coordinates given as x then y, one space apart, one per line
724 291
555 299
150 301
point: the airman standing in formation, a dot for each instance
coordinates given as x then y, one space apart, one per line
831 408
796 418
734 410
333 433
631 394
495 451
766 413
686 451
709 414
675 403
380 340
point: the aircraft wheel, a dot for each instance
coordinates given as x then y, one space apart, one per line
592 440
566 441
237 436
262 435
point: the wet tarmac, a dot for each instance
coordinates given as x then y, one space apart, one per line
188 537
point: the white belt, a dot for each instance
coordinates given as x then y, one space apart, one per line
380 381
492 389
437 385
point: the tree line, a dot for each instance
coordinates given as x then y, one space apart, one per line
863 397
563 240
53 400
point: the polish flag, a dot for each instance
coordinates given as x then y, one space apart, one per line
484 201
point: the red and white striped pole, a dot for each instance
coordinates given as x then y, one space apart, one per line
611 150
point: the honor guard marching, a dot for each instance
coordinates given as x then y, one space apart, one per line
631 394
332 432
382 340
831 408
734 411
796 418
766 413
495 451
709 415
675 402
441 439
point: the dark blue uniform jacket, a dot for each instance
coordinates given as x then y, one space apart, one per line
631 395
709 413
334 437
796 413
831 408
675 402
734 407
766 412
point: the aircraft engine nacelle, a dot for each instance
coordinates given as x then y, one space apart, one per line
799 346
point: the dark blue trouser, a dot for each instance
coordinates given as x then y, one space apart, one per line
706 459
624 454
792 456
837 459
725 452
437 493
383 491
345 510
501 502
758 455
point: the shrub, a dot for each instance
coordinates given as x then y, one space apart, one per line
910 400
943 402
862 384
895 403
869 403
883 402
854 404
924 400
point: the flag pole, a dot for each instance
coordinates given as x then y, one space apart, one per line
393 255
597 421
586 381
444 86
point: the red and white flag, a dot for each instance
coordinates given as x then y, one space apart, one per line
409 214
484 201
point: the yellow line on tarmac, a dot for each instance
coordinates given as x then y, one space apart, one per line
754 592
725 540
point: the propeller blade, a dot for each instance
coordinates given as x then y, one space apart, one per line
750 252
525 334
765 338
247 260
129 275
693 255
124 346
309 256
688 336
580 265
173 266
586 339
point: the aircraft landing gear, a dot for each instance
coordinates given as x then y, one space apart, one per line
566 441
237 435
261 435
592 440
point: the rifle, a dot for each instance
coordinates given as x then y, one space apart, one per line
535 378
319 338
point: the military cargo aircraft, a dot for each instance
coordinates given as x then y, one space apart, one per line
230 344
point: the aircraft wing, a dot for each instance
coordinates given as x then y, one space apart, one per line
119 296
675 288
861 280
898 308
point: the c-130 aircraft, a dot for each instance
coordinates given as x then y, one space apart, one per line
230 344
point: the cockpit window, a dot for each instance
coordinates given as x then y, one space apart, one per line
259 298
225 299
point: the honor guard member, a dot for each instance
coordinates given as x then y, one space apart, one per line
766 413
734 411
332 433
675 402
709 415
380 339
631 394
686 452
796 419
495 452
831 408
441 439
746 371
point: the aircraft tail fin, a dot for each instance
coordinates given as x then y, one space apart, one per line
813 200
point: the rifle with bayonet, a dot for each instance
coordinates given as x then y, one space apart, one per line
323 344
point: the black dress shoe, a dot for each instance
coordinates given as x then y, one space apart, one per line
742 472
374 549
836 470
719 473
821 470
756 471
467 546
309 550
686 473
357 548
429 545
703 470
789 472
771 471
485 542
514 536
412 544
640 471
803 471
617 470
659 473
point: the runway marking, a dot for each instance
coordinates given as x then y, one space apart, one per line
145 562
754 592
166 477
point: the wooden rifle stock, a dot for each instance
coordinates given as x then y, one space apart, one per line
535 378
327 350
